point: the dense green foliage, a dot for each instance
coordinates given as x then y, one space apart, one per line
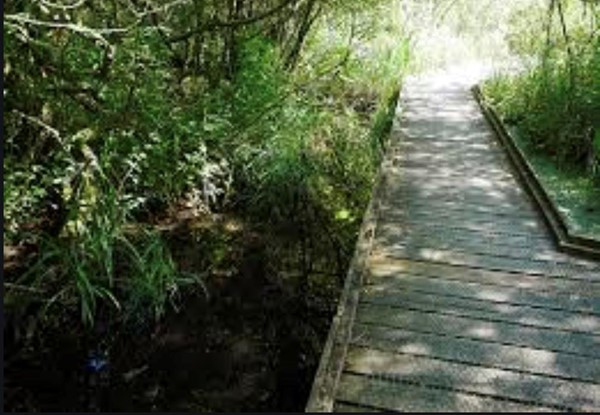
555 102
116 113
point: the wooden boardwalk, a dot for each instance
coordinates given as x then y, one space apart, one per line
457 299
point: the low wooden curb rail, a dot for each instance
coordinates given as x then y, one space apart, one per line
565 239
330 368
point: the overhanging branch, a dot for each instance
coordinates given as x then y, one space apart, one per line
216 24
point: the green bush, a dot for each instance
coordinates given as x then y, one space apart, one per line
96 262
556 102
104 128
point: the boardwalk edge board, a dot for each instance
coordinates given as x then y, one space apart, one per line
331 364
566 240
327 377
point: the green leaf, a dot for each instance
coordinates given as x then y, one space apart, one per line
343 214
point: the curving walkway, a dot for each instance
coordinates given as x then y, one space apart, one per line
457 299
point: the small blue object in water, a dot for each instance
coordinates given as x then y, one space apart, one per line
96 363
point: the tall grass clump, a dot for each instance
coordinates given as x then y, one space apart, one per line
99 266
555 101
310 138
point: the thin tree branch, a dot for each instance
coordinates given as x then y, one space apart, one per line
63 6
36 121
216 24
95 34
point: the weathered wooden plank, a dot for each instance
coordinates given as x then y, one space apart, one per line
406 397
502 225
576 288
493 247
451 170
437 231
475 158
409 225
577 324
499 310
473 351
403 193
423 190
455 172
466 179
496 330
486 261
497 299
432 214
409 176
458 376
428 208
450 183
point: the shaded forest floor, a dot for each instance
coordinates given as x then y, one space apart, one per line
252 343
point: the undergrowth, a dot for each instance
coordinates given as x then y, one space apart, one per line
96 153
553 103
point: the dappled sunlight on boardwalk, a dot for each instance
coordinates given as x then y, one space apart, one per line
465 304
